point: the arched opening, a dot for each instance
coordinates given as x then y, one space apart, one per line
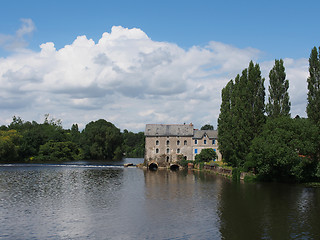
174 167
153 167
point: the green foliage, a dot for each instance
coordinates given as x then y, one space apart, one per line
236 174
286 150
314 87
279 103
9 145
206 155
250 178
34 135
207 127
75 134
133 144
101 140
184 163
225 123
242 114
200 165
59 151
25 141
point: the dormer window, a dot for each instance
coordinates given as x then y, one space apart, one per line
205 141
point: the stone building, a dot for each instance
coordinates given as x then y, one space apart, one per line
166 143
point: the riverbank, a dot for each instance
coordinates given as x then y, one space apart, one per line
223 170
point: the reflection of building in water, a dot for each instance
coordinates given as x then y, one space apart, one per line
166 142
166 184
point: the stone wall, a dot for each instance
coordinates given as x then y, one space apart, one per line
167 149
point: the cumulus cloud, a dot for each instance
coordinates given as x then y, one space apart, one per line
126 78
17 41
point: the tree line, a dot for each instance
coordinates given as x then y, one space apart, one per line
263 137
48 141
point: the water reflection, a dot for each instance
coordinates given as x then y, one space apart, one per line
92 202
179 205
56 202
268 211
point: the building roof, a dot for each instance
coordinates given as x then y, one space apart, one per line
169 130
198 134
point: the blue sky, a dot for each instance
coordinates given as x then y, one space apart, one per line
206 33
278 28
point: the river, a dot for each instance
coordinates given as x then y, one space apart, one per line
107 201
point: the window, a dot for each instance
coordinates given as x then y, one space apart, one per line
168 142
185 142
213 141
178 142
157 150
204 141
157 142
178 150
168 150
195 141
196 151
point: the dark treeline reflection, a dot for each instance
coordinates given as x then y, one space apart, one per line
268 211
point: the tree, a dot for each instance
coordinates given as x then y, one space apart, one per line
225 124
34 135
133 144
9 145
101 140
59 151
242 114
206 155
287 149
313 106
279 103
75 134
207 127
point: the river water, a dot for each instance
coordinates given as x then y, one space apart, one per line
103 201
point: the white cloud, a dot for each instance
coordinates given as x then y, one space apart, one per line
128 79
17 41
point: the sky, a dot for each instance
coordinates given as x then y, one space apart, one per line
134 63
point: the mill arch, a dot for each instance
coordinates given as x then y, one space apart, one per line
153 166
174 167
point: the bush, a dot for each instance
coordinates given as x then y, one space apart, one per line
59 151
206 155
236 174
250 178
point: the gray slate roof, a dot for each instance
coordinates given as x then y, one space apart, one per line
198 134
169 130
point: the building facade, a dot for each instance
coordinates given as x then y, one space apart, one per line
167 143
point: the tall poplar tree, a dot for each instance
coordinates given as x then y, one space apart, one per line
225 133
249 110
279 103
242 114
313 106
